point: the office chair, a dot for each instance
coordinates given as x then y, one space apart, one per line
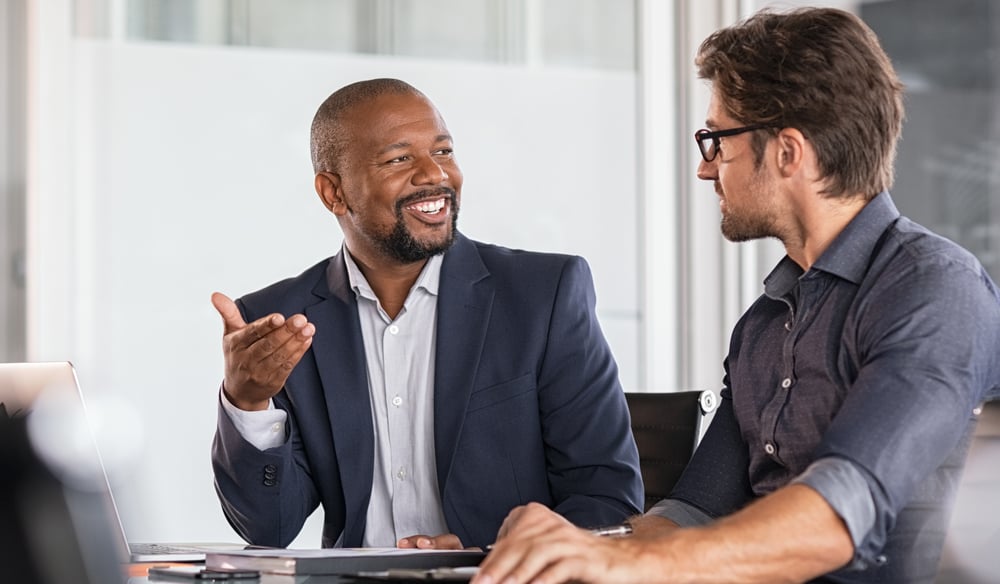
973 538
667 427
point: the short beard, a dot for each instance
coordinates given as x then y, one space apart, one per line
737 227
737 231
402 246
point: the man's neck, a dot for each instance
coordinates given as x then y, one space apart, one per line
390 280
817 223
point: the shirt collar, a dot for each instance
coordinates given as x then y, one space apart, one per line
428 279
848 256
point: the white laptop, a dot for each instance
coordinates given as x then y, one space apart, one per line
23 386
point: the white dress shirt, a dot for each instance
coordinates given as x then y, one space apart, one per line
400 352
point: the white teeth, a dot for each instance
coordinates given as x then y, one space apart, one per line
429 206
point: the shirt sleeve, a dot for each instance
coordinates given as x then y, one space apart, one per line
928 333
264 428
715 480
590 456
845 489
681 513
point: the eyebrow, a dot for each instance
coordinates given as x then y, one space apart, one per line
402 145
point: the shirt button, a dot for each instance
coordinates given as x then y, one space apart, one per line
786 382
401 474
397 401
394 329
276 427
769 448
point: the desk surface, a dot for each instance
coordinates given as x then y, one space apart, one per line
137 575
264 579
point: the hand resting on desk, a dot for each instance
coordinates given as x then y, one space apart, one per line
447 541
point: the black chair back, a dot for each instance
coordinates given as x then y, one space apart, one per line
666 427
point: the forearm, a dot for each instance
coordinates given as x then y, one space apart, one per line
651 526
792 535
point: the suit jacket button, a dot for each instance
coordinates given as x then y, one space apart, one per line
270 468
270 482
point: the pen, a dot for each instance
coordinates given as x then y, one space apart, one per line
610 531
622 529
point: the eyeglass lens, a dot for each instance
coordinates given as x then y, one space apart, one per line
708 144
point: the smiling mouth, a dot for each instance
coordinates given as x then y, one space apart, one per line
433 207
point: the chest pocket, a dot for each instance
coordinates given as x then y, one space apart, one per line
501 392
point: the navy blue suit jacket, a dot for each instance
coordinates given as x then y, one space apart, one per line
527 405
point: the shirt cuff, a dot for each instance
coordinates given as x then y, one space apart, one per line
845 489
264 428
681 513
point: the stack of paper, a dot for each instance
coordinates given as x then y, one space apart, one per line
339 560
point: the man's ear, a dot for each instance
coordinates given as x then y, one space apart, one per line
791 151
327 186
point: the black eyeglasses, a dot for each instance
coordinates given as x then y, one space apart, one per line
708 142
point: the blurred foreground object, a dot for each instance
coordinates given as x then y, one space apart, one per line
52 531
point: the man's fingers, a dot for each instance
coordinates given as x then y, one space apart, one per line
500 564
527 520
274 340
447 541
267 361
509 521
264 335
232 320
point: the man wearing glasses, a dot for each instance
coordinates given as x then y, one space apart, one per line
851 383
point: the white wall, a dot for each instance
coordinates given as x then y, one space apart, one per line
186 170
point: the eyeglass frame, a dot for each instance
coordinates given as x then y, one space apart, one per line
704 134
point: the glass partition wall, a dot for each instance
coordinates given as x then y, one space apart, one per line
574 33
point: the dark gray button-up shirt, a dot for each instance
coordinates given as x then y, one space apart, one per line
868 365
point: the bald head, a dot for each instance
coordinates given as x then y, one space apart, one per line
329 136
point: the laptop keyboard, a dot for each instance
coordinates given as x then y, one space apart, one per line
163 548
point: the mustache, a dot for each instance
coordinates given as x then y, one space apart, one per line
426 194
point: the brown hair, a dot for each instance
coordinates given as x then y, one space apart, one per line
821 71
327 138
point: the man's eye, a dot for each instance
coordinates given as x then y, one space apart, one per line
445 151
398 159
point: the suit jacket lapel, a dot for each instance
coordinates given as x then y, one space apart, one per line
465 299
340 358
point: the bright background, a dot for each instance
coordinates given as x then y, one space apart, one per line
155 151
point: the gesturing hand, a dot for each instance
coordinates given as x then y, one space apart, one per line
259 356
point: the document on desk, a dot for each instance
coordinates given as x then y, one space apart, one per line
340 560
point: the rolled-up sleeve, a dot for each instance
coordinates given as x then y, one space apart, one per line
929 340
